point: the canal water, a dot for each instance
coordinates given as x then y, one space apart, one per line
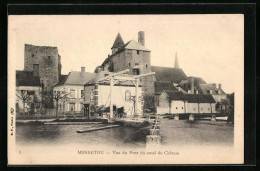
28 134
180 132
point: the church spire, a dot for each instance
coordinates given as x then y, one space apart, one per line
176 64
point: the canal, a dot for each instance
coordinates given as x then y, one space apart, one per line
173 132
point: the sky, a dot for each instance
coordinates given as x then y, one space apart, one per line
207 46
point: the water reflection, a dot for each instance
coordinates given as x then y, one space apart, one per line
66 134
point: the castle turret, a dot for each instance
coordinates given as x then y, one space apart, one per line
118 43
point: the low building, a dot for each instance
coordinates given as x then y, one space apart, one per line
73 87
28 89
97 95
177 102
218 94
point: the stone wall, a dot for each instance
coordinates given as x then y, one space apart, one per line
48 60
128 59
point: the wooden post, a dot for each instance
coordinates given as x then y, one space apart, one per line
111 101
184 106
198 107
136 95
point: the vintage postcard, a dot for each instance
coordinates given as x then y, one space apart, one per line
125 89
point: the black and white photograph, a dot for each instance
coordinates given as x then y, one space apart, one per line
126 89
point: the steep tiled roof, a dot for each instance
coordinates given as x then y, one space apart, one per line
76 78
191 98
62 77
129 45
168 74
118 42
205 88
26 78
161 86
176 95
132 44
199 98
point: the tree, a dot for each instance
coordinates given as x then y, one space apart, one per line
149 103
25 96
59 95
111 67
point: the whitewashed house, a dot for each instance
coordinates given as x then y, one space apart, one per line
28 89
177 102
73 86
97 94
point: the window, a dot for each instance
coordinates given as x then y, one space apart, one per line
181 107
72 93
96 86
35 69
72 107
136 71
208 109
30 92
55 93
129 64
146 65
49 57
127 95
176 107
194 109
95 92
137 51
82 94
136 64
58 92
32 55
201 109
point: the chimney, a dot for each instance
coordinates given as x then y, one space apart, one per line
214 85
141 39
219 86
82 69
192 85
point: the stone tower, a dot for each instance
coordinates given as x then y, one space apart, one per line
45 62
133 56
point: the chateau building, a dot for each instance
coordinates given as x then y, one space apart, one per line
136 57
